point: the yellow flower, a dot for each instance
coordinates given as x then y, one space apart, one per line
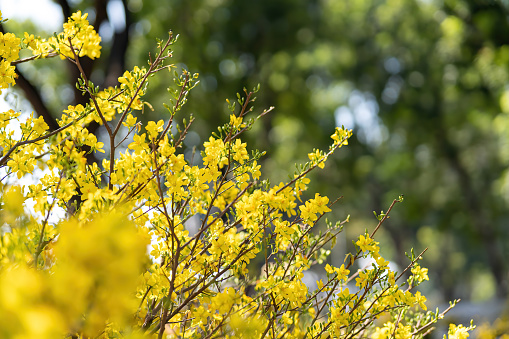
318 205
403 332
341 135
224 301
421 300
83 37
7 74
9 46
102 260
91 140
239 151
457 332
153 129
139 143
420 273
366 243
363 279
287 318
30 41
130 121
215 152
235 121
317 158
40 126
342 272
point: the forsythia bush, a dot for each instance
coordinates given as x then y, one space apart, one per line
121 261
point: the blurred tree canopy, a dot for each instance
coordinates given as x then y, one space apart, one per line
423 83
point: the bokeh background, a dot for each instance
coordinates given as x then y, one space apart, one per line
424 84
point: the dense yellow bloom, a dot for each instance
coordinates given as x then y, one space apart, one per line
342 272
294 292
30 40
13 200
239 151
139 143
5 117
154 128
9 46
91 140
420 273
421 300
403 332
153 245
248 326
40 126
363 278
235 121
7 75
21 164
130 120
312 207
284 233
367 244
84 40
341 136
457 332
383 333
223 302
83 37
317 158
101 260
23 304
215 152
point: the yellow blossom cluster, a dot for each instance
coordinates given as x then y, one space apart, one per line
9 51
77 34
146 244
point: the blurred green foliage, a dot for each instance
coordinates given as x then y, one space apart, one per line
423 83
